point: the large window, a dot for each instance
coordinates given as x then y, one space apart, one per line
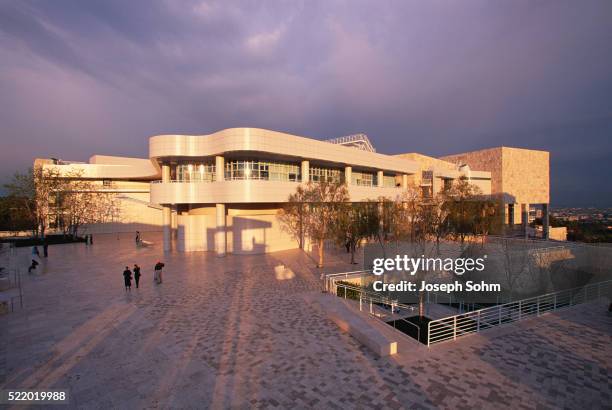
273 171
195 172
363 179
325 175
389 181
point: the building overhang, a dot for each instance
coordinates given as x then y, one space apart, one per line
257 140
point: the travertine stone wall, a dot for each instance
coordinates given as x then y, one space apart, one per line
526 175
485 160
442 169
520 175
425 164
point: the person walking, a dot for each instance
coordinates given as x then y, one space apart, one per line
35 258
137 237
127 279
158 272
136 274
33 265
46 249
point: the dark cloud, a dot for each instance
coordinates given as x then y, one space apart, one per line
78 78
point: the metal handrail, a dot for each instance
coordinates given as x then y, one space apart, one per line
182 181
410 323
376 298
452 327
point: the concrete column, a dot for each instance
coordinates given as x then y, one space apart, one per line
219 168
220 234
525 218
505 218
167 225
404 181
545 227
165 173
380 178
174 221
348 175
305 171
436 185
511 215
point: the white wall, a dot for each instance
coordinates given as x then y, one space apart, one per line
248 232
195 233
257 233
135 214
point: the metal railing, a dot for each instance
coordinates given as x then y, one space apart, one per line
14 277
182 181
452 327
370 299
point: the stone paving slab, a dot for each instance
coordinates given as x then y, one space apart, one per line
221 333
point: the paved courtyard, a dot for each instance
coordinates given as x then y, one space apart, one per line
234 332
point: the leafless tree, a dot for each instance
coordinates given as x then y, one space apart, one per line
357 222
313 210
83 203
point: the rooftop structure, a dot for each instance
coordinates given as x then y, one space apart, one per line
359 141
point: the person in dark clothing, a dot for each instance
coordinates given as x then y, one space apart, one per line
136 274
46 249
33 265
158 272
127 278
137 237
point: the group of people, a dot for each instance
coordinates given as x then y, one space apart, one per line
127 275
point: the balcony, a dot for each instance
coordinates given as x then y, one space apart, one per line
247 191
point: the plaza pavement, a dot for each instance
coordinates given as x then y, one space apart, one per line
235 332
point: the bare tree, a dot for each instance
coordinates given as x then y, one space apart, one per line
83 203
436 219
356 222
462 204
38 191
313 210
515 255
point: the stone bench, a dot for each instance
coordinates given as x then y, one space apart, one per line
356 326
364 333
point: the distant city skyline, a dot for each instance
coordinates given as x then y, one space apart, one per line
439 78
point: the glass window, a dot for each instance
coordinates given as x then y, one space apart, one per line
265 170
195 172
363 179
389 181
325 175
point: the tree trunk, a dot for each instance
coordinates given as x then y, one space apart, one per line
421 304
321 242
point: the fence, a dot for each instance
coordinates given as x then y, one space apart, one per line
333 284
14 293
452 327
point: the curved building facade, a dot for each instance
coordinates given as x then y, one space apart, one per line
221 192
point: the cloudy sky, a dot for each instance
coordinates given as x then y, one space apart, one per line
431 76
